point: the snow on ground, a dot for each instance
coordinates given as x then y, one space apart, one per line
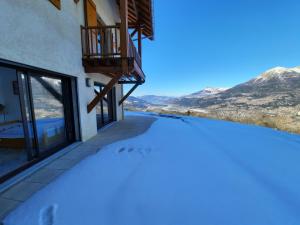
182 171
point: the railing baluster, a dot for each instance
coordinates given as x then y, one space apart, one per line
102 42
87 52
99 42
97 35
116 42
90 41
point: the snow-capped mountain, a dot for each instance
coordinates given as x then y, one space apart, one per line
206 92
279 73
277 80
271 99
276 87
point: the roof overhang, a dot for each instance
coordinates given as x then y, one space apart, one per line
140 13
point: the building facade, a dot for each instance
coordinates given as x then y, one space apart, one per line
63 64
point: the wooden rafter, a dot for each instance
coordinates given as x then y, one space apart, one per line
135 9
141 12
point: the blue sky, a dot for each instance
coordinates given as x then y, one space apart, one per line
218 43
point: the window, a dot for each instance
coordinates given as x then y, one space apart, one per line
56 3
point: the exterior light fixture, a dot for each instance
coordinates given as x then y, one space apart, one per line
88 82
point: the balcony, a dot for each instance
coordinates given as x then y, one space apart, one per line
101 51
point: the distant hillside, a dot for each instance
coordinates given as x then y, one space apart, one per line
136 103
206 92
155 99
274 88
270 99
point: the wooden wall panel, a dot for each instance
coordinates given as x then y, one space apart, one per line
91 13
56 3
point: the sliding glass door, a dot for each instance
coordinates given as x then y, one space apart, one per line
36 117
105 108
13 144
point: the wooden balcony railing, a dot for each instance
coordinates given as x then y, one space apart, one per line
104 43
133 52
100 42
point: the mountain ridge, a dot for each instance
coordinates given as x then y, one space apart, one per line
275 81
270 99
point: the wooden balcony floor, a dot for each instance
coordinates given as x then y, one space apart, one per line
112 67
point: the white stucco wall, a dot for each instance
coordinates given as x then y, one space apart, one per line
119 95
108 11
38 34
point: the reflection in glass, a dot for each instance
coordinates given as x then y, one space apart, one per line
104 109
106 116
27 115
12 142
99 109
48 111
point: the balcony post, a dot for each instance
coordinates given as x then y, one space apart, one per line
140 41
124 34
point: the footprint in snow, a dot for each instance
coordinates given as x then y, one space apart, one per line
130 149
47 215
122 150
142 151
148 150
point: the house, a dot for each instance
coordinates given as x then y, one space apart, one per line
63 64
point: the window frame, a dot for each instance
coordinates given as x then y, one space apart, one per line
31 70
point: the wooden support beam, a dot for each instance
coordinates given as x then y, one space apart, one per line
127 82
140 31
124 34
134 32
129 93
101 95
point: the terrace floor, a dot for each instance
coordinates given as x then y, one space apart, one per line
182 170
23 190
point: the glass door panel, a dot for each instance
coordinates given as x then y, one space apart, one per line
108 109
13 145
106 116
48 111
27 115
105 108
99 109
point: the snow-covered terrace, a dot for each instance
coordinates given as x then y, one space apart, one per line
181 171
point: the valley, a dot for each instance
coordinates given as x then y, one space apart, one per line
272 99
